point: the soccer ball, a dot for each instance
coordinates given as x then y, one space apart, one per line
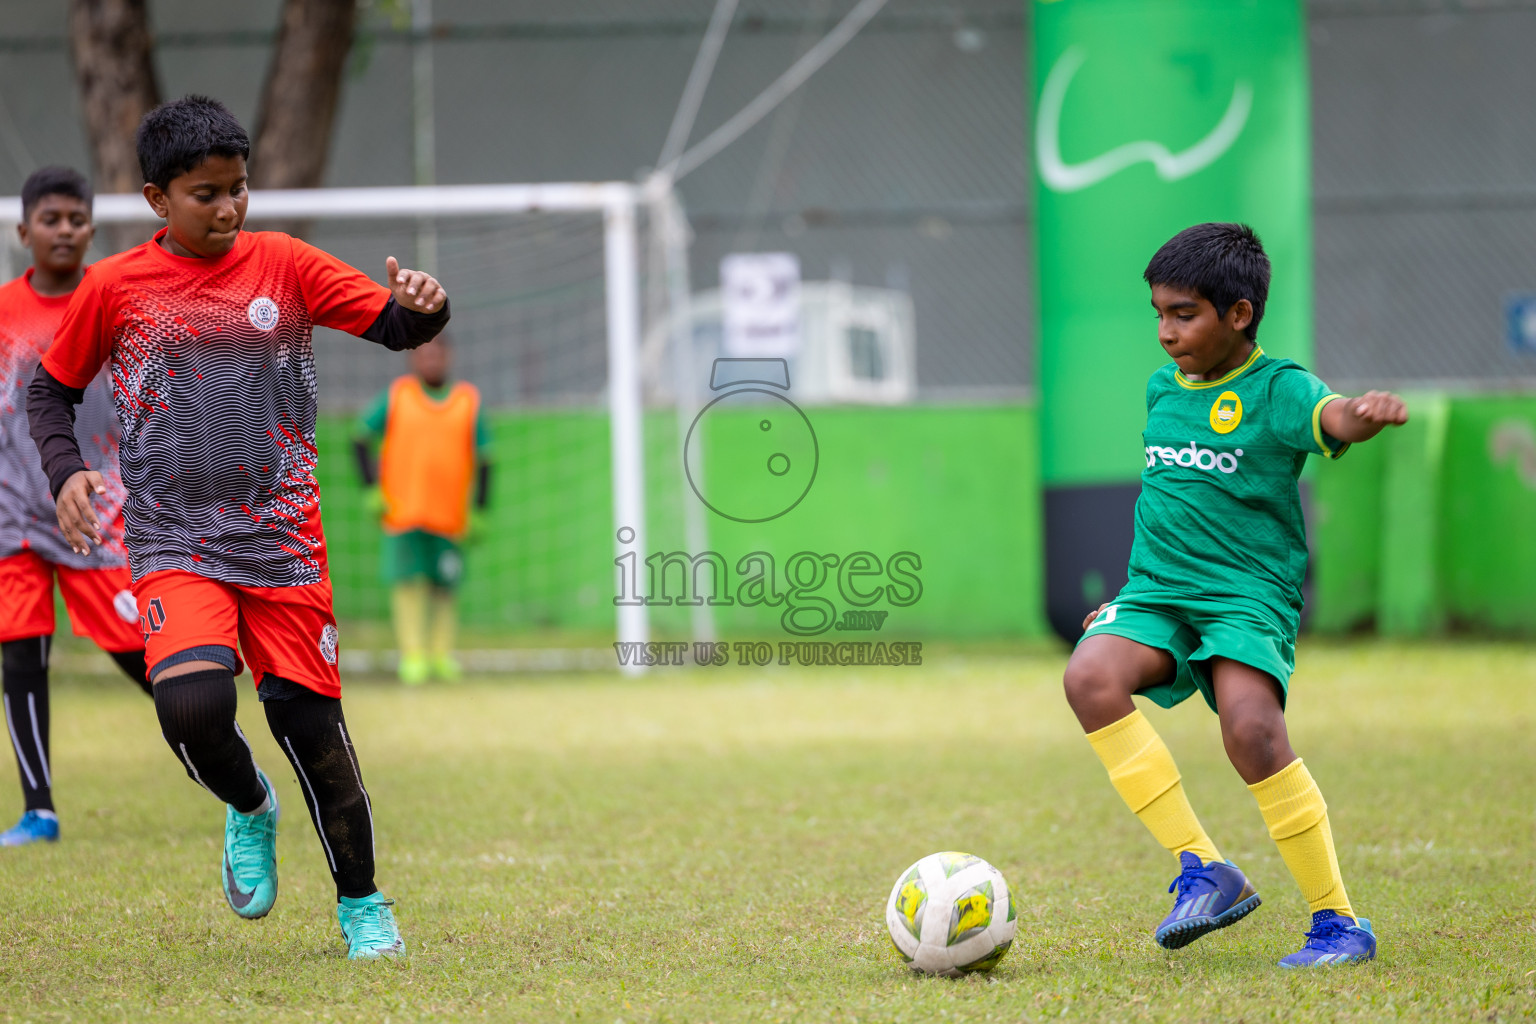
951 914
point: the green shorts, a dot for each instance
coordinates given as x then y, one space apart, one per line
417 554
1195 630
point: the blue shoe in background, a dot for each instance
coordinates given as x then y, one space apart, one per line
34 827
1334 939
1209 896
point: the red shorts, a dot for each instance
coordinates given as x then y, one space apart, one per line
287 631
99 601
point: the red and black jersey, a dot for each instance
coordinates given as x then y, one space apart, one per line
28 519
213 378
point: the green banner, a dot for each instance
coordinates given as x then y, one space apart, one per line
1150 116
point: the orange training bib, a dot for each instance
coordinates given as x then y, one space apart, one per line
427 460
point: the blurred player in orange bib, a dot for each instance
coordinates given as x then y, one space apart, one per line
56 227
431 457
208 332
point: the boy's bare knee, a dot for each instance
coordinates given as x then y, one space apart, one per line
1256 741
1091 680
1083 678
1246 731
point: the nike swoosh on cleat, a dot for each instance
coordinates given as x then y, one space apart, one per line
237 899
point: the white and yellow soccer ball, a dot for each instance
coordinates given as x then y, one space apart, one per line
951 914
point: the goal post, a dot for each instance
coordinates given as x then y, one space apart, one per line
372 214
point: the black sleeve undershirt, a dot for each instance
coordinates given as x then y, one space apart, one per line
51 418
398 328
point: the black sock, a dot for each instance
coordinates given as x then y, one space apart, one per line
197 719
132 663
25 670
313 734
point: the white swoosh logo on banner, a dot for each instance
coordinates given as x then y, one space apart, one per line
1061 176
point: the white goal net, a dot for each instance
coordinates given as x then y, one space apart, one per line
550 306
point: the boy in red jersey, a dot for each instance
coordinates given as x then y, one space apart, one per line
208 331
56 227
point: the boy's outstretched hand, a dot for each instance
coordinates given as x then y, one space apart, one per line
415 290
77 516
1360 419
1380 407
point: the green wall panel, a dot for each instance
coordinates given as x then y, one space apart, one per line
1488 515
1431 526
1346 542
1409 601
956 486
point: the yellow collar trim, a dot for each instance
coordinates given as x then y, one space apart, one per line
1200 385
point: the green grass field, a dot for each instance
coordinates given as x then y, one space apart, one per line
718 846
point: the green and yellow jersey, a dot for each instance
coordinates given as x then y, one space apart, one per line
1219 515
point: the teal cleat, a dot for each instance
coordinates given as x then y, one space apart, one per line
34 827
250 857
369 927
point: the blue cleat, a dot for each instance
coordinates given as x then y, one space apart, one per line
1210 896
250 857
34 827
1334 939
369 927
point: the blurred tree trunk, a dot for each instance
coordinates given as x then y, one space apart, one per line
113 54
303 87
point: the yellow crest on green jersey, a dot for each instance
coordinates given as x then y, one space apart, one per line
1227 413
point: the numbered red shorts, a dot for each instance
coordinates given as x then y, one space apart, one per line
99 602
287 631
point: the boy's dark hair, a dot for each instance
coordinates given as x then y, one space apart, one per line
175 137
53 181
1221 262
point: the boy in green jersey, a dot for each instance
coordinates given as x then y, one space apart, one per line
1213 599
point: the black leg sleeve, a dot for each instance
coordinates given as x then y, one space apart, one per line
132 663
25 669
197 718
312 732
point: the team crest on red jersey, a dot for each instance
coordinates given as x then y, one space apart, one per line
263 313
329 640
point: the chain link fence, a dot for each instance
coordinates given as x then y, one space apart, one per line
1424 179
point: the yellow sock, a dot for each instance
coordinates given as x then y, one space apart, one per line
445 623
1297 816
1145 776
409 603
